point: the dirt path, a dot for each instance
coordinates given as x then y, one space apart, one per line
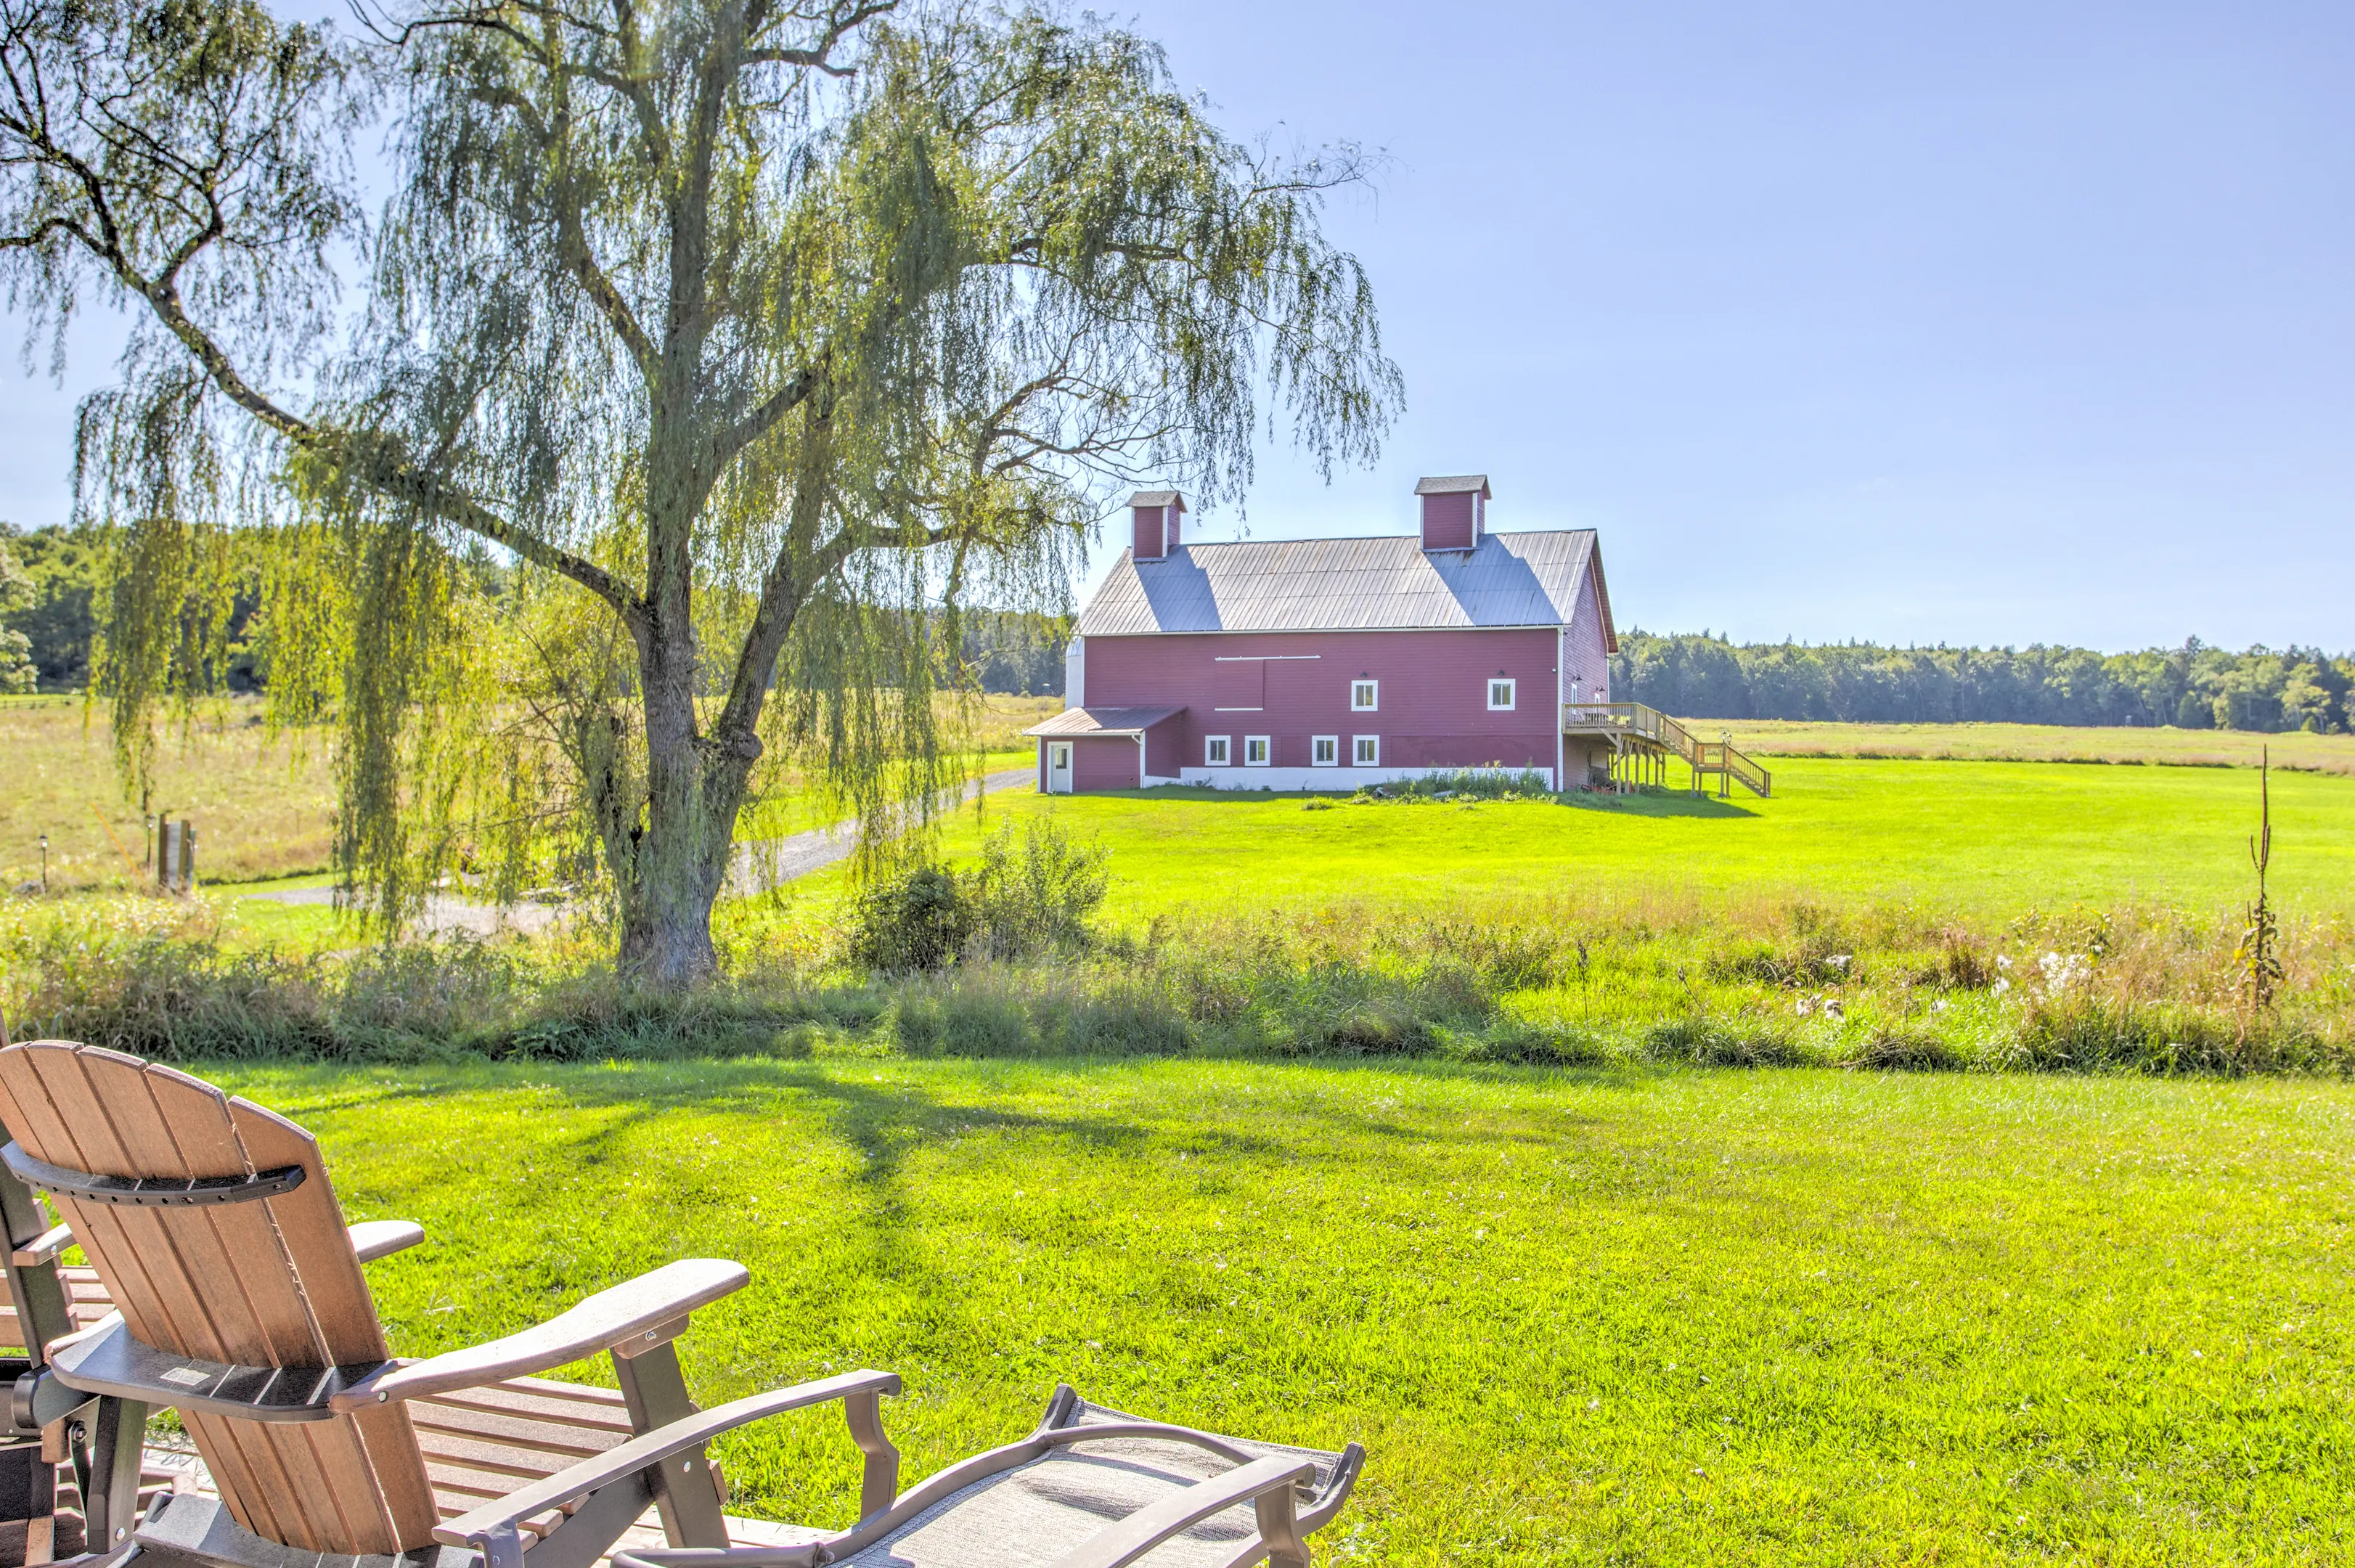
759 864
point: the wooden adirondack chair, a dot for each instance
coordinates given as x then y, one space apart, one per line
212 1222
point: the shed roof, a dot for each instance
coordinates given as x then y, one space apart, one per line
1159 498
1102 721
1453 484
1353 584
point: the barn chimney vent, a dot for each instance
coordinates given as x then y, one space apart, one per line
1454 510
1155 515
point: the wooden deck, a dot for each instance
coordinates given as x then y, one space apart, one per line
1642 738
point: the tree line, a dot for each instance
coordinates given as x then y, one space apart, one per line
2194 687
53 593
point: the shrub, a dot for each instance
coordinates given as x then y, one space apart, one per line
917 921
1034 895
1029 896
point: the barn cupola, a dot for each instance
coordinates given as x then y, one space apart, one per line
1454 510
1155 515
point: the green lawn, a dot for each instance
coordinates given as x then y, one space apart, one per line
1979 836
1641 1317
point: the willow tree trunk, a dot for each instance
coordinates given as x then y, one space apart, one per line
671 864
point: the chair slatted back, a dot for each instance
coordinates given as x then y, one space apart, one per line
272 1282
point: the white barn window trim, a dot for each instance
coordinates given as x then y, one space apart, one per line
1256 749
1215 752
1501 691
1365 696
1366 750
1324 750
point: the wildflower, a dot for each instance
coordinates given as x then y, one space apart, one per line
2063 970
2001 986
2003 960
1803 1006
1839 961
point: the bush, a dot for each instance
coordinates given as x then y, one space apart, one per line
1034 896
917 921
1029 896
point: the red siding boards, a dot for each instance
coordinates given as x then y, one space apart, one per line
1165 748
1148 542
1238 685
1103 762
1586 666
1448 521
1434 695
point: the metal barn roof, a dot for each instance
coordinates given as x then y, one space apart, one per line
1102 721
1354 584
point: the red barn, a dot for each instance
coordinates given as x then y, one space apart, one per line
1325 664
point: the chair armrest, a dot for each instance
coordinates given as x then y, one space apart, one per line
373 1239
503 1515
43 1248
637 1310
1272 1478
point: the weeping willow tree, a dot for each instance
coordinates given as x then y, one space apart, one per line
709 356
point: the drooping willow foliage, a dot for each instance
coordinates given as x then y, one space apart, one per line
711 357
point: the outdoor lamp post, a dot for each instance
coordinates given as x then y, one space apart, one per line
44 862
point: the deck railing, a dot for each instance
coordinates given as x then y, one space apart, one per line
1636 720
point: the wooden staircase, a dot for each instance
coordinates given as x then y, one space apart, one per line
1642 739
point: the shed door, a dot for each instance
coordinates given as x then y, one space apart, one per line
1059 767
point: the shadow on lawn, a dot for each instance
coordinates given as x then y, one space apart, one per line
885 1120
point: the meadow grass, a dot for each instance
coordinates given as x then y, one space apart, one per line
264 805
1638 1316
262 808
1872 913
1985 839
2296 750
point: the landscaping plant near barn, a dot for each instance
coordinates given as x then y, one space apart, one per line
707 350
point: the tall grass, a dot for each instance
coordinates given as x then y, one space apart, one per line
1630 978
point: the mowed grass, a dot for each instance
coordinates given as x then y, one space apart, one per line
1785 1317
1984 839
2296 750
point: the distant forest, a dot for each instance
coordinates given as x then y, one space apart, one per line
49 588
2194 687
49 600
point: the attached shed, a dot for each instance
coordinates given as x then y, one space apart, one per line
1081 750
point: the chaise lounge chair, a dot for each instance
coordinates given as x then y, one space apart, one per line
211 1224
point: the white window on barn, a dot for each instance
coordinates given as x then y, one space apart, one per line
1324 750
1214 751
1366 750
1255 749
1365 696
1500 694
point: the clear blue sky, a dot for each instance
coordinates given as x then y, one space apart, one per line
1976 323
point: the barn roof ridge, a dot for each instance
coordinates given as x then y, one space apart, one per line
1355 582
